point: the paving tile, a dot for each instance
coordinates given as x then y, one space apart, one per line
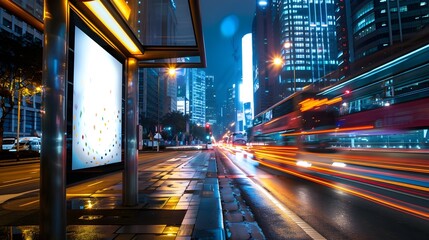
230 206
255 231
151 229
238 231
234 216
91 231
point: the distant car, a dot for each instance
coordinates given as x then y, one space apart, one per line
209 145
28 144
8 143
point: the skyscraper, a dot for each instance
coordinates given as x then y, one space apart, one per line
308 43
197 96
265 40
210 100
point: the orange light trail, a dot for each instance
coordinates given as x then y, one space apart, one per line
361 193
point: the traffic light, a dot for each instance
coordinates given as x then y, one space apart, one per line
207 128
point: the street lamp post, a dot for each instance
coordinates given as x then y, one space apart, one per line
170 72
18 124
157 134
288 45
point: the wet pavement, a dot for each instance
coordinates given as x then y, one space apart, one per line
171 206
182 198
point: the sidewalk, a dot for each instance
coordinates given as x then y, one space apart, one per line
178 199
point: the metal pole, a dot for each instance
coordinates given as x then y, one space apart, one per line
157 127
130 173
294 77
293 65
18 124
53 153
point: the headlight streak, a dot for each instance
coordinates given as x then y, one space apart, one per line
405 184
339 164
359 192
410 165
301 223
375 181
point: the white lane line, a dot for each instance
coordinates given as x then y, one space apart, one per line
90 185
5 197
16 183
16 180
299 221
29 203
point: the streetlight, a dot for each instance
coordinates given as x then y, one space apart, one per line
170 73
288 45
278 61
20 95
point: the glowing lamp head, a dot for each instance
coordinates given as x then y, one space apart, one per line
172 71
278 61
347 92
262 3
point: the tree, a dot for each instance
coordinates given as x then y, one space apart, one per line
176 121
20 72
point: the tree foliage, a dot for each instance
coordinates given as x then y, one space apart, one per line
20 72
176 123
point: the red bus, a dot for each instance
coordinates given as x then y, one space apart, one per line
387 106
296 121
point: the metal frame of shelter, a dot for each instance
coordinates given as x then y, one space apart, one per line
55 27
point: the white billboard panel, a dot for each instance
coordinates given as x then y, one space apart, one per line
97 111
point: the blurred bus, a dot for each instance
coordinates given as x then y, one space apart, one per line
386 106
298 121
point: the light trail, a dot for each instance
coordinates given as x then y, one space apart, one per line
289 213
389 202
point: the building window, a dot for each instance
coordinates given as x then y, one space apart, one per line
18 30
7 23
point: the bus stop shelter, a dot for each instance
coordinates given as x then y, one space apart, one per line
130 35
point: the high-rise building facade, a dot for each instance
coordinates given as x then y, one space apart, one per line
182 82
378 24
197 96
373 26
246 90
300 33
265 39
211 116
308 43
344 37
151 97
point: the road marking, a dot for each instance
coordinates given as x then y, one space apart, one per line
29 203
16 180
16 183
90 185
295 218
5 197
301 223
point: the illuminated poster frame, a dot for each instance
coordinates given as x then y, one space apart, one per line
95 104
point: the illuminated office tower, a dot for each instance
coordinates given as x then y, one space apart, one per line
246 89
367 27
308 43
265 40
211 115
197 96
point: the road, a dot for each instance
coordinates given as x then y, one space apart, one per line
361 201
293 202
19 178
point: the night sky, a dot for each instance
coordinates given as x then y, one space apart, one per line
225 22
